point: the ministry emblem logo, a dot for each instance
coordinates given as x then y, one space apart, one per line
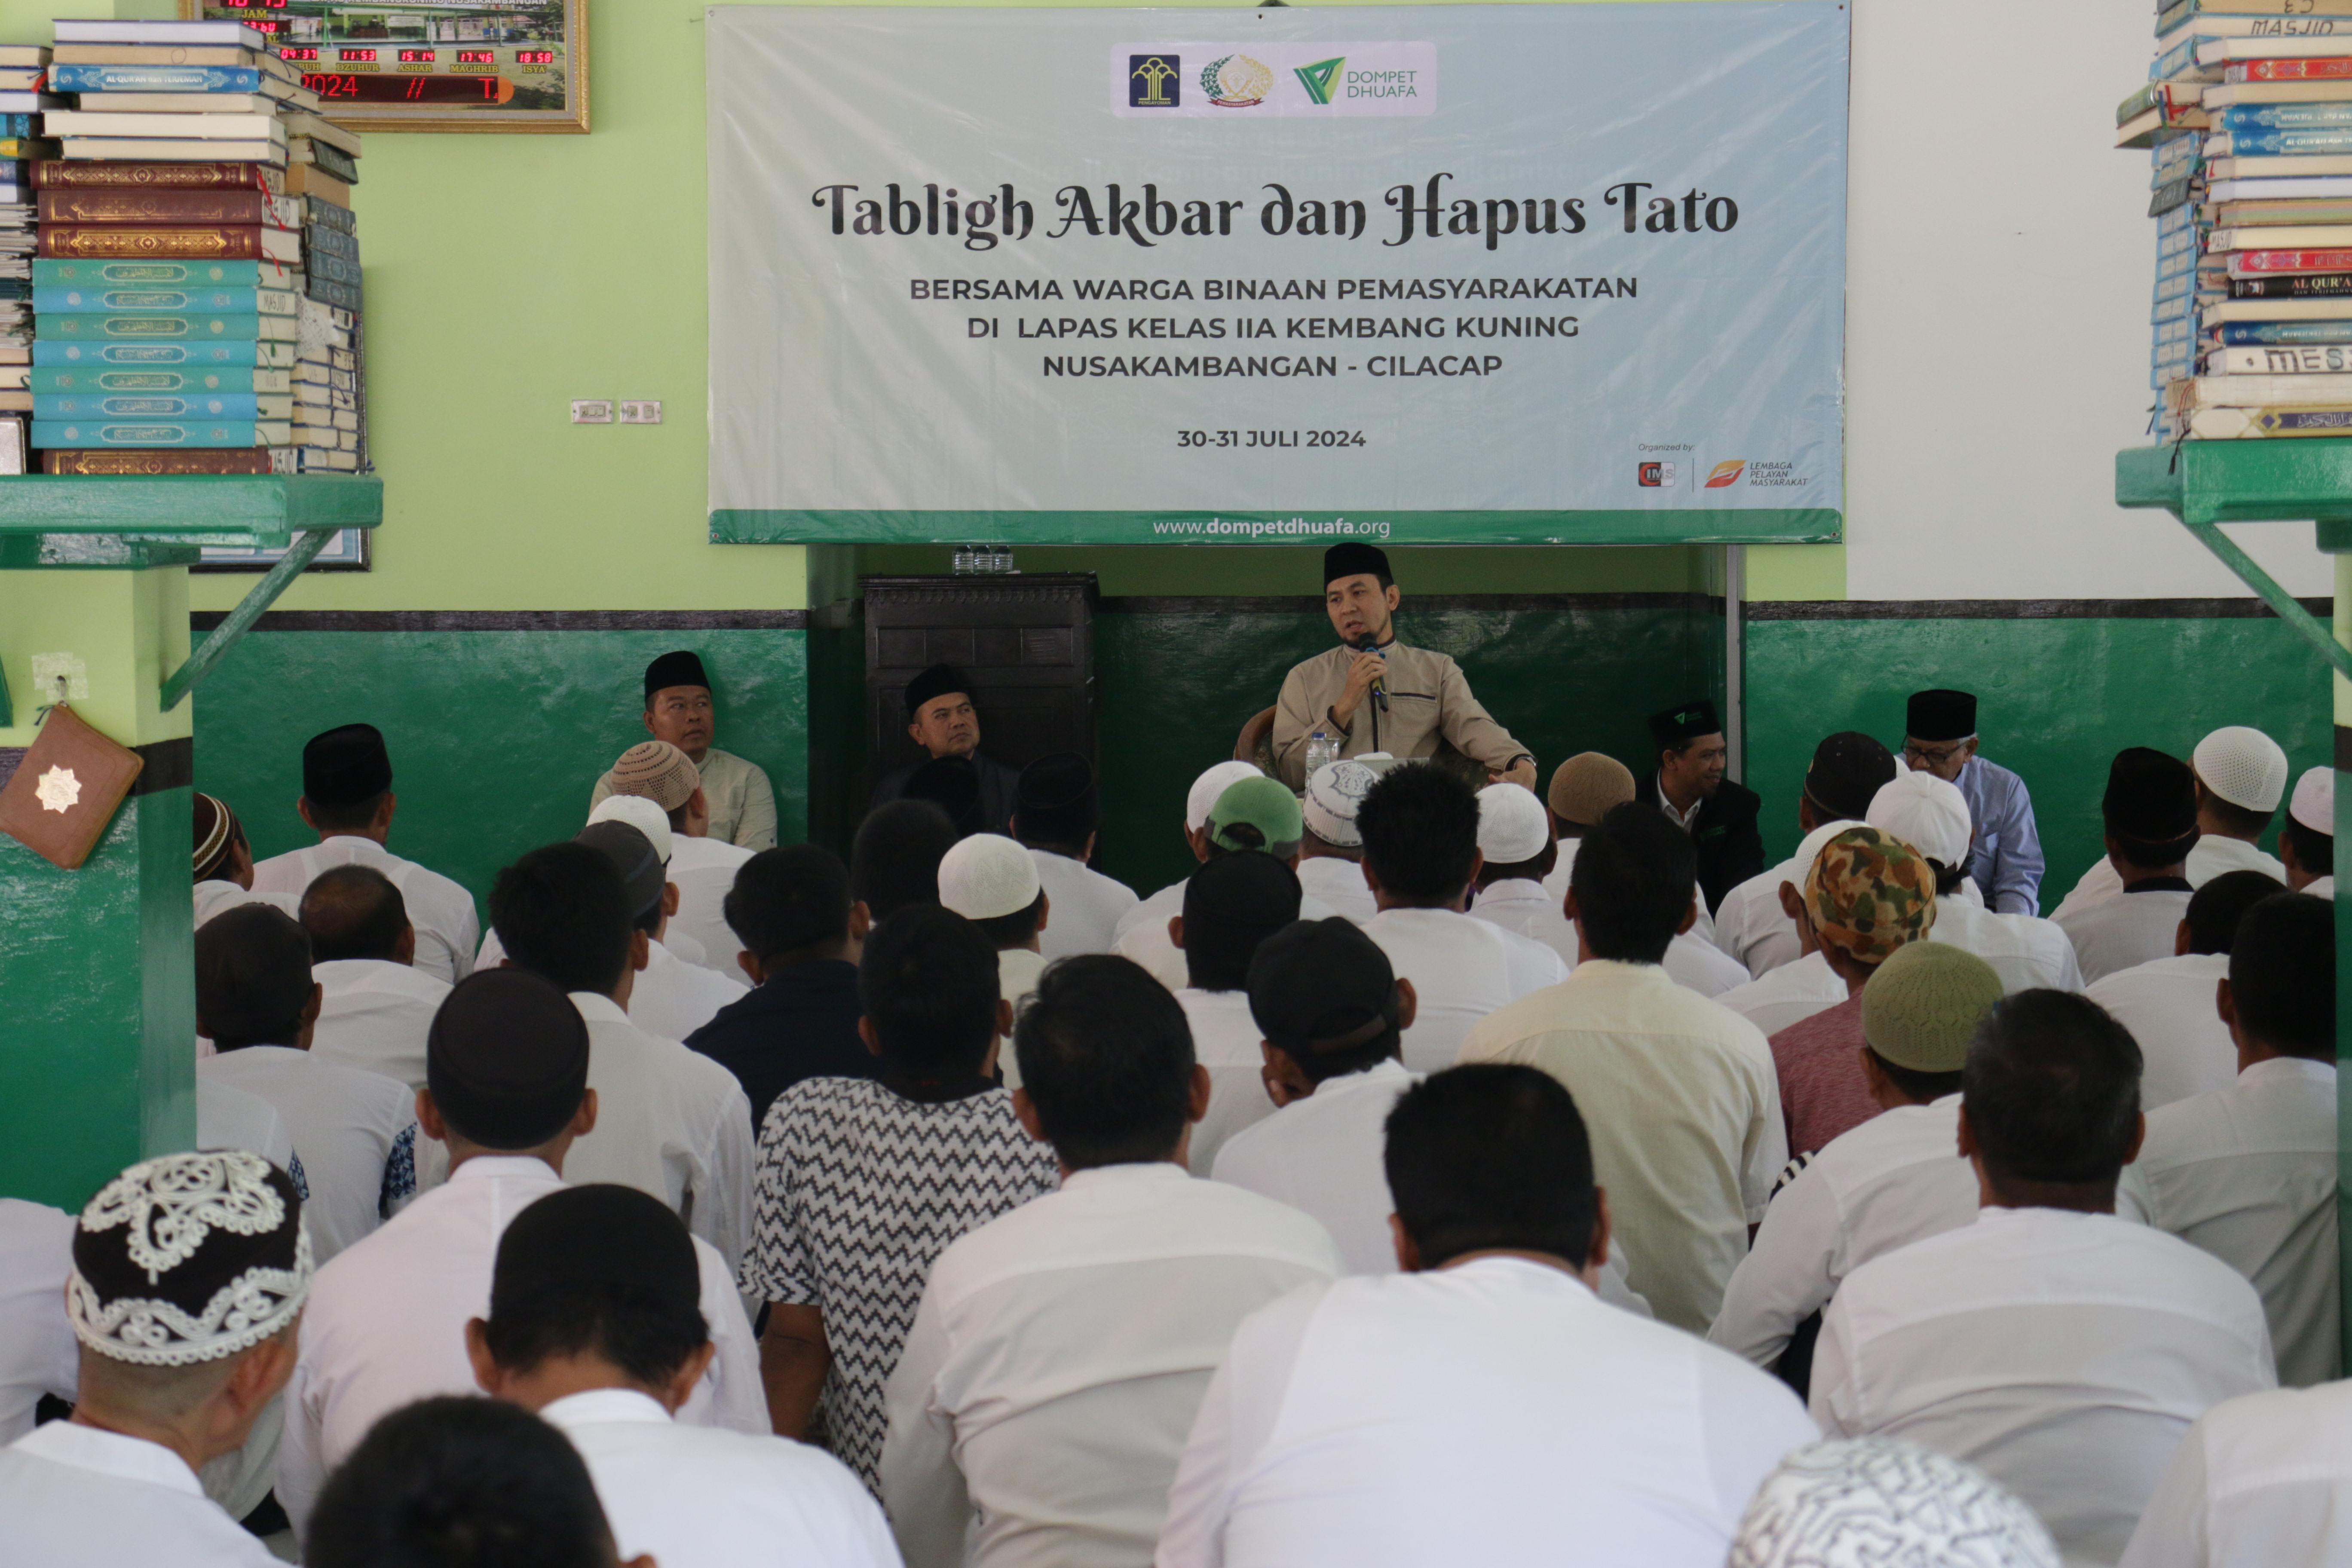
1237 81
1155 81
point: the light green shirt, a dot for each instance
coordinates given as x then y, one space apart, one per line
742 803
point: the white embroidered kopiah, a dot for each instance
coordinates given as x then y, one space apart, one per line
172 1203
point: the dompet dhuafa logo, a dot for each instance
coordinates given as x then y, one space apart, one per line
1155 81
1264 80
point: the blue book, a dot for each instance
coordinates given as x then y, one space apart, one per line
187 326
70 299
2242 117
156 380
2291 143
143 405
58 433
154 78
2235 333
19 125
249 354
52 274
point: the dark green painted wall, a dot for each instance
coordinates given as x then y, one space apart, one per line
2057 700
497 737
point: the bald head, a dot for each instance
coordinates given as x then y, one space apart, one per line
354 911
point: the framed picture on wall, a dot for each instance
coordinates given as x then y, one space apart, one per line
348 552
430 65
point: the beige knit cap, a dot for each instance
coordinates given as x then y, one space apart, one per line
1587 787
1922 1008
659 772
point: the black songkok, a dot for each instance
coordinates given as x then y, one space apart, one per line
1848 770
1940 716
599 1235
932 684
1242 892
1353 560
951 784
346 766
1687 722
679 669
507 1059
2151 798
1321 986
642 875
1057 802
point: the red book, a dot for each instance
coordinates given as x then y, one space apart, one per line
59 174
150 206
201 242
2248 263
2292 70
181 460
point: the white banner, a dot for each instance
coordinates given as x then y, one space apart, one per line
1506 273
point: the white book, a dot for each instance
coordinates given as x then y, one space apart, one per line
2287 358
2263 391
18 54
2323 185
2239 93
2336 41
2283 237
208 127
2224 311
163 150
236 34
326 130
2299 167
180 103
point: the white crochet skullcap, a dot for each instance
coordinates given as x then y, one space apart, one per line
1332 796
1925 812
1852 1501
2243 766
638 812
1209 787
987 875
2313 803
1513 825
1809 849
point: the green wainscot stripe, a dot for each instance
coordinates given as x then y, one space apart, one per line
1803 525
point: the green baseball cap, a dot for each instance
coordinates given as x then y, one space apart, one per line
1261 803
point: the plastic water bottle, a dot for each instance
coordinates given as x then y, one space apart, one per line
1321 749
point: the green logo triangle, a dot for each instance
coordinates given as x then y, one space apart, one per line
1318 77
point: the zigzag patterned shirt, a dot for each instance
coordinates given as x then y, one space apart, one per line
859 1191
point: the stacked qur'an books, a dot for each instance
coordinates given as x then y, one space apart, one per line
177 309
24 96
2248 117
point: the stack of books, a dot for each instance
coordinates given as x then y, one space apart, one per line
2248 117
172 294
24 96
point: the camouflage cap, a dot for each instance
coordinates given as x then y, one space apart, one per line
1869 893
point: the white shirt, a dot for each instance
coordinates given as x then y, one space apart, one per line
2028 952
92 1499
443 913
2170 1005
386 1323
1751 926
1058 1359
703 871
1788 994
1143 934
671 998
2123 931
219 896
1227 1041
1683 1105
2248 1173
355 1131
39 1353
1526 907
1897 1179
1494 1413
2261 1481
1084 905
231 1117
1682 819
669 1121
1322 1156
700 1497
2061 1353
1017 969
376 1015
2213 855
1338 883
1462 969
2325 888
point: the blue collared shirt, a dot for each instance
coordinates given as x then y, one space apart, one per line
2005 862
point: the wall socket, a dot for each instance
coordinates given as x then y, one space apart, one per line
591 411
640 412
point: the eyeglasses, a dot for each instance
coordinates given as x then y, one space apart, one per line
1931 756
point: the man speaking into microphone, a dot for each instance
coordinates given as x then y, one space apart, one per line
1373 693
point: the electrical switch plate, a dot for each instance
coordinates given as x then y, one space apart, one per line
637 412
61 678
591 411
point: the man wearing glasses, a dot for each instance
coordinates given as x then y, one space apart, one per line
1939 737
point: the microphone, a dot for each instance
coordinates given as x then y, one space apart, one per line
1371 644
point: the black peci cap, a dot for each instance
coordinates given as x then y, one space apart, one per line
346 766
1686 722
1848 769
1353 560
2151 797
679 669
933 684
506 1058
1057 800
1940 715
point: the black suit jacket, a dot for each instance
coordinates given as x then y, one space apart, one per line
1730 848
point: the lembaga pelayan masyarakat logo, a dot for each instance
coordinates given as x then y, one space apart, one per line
1155 81
1237 81
1318 77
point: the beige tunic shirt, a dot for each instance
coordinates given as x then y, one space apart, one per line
1429 701
742 803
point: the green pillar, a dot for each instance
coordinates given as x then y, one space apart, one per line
97 978
2343 754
